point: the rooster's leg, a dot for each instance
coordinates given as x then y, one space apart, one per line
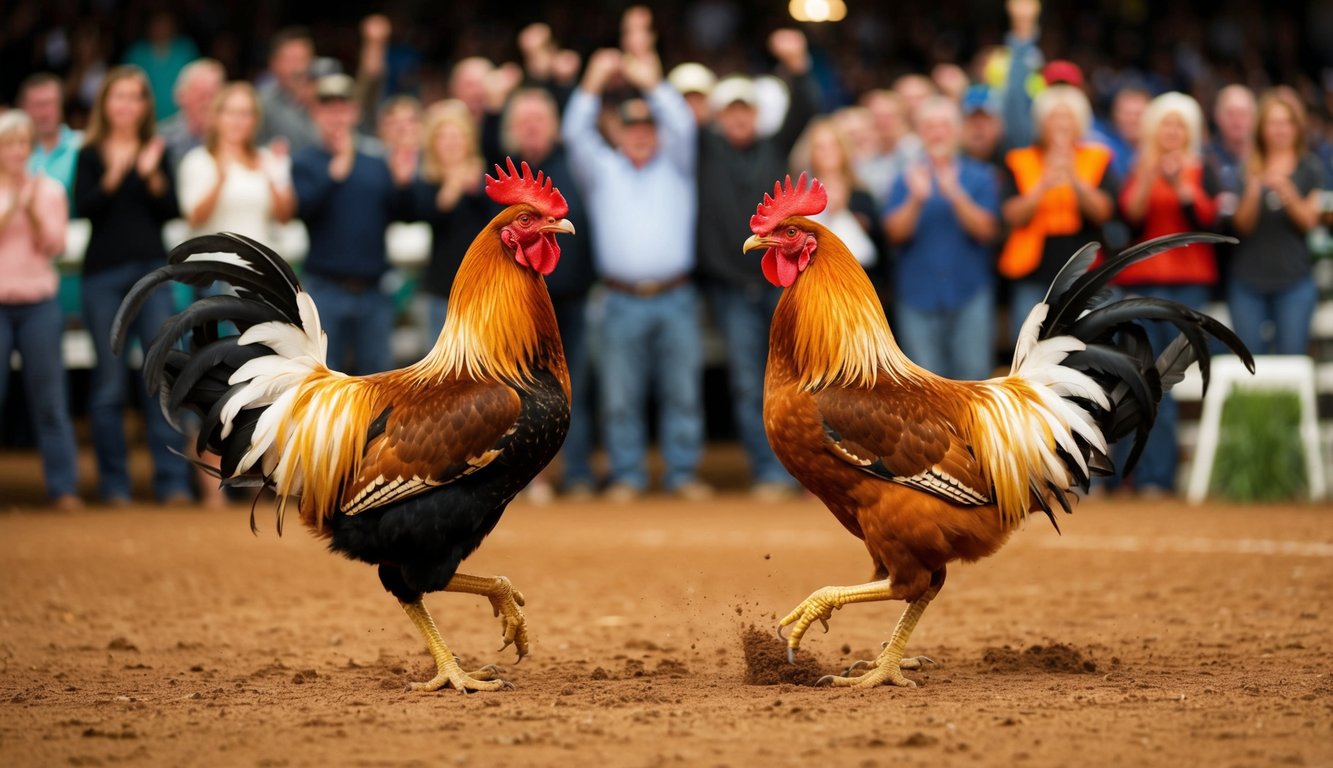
447 671
889 665
505 601
821 604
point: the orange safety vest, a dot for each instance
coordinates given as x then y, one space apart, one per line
1057 213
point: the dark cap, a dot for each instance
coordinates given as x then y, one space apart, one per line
335 87
1063 71
635 110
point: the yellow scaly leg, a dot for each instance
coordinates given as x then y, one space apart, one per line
821 604
447 671
888 666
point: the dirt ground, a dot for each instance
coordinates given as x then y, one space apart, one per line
1148 634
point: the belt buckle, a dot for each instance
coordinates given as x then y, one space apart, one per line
648 288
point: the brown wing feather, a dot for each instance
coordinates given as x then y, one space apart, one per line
431 438
903 435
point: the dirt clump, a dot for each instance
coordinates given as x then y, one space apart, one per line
766 661
1049 658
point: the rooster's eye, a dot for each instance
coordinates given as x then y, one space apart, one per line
791 232
524 219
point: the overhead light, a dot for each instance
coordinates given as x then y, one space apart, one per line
817 10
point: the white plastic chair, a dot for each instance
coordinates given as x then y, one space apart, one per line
1290 373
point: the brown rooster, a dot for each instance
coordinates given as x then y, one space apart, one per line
926 470
408 469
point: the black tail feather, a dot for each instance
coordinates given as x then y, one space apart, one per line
190 363
1118 355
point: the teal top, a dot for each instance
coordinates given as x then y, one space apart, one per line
59 161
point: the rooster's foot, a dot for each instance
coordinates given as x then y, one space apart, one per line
450 674
872 677
507 603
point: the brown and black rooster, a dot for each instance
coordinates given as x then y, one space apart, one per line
926 470
409 469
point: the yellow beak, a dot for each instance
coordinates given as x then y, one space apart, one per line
564 225
755 241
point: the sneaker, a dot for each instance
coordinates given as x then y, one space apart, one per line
67 503
539 492
621 493
692 490
772 491
580 491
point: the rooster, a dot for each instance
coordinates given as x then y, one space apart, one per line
926 470
408 469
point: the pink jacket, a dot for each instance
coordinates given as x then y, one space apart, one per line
27 274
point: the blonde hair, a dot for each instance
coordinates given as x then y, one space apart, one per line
801 152
1062 96
214 109
98 125
14 121
1172 103
440 114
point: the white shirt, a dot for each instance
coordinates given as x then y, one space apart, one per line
245 205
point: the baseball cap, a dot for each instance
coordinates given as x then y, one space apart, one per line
979 98
692 77
1063 71
730 90
635 110
334 87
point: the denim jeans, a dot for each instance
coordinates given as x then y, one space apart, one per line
357 323
571 314
651 343
1290 310
35 330
955 343
102 293
744 315
1161 453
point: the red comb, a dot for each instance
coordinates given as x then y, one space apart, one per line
514 187
800 200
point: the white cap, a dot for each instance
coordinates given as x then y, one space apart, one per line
730 90
692 77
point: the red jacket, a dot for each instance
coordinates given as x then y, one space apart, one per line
1192 265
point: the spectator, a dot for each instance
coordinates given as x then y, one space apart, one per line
124 188
286 100
55 148
450 197
733 162
695 82
897 145
1229 152
1170 190
34 214
347 197
162 54
196 88
467 83
943 214
1271 279
1025 59
826 153
1057 195
399 126
983 131
530 132
228 184
641 197
1121 133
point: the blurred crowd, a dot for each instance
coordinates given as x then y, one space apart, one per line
964 165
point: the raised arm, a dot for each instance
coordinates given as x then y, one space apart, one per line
587 149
